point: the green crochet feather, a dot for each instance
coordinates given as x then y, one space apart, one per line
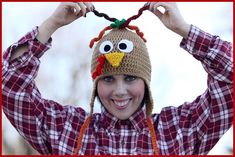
117 23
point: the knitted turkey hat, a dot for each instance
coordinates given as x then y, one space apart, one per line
121 51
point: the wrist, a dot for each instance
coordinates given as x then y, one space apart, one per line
50 25
53 23
46 29
183 30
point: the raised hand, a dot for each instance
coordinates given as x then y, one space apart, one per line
67 12
171 18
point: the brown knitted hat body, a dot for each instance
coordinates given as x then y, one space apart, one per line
135 63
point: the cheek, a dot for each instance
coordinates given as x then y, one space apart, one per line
139 89
102 90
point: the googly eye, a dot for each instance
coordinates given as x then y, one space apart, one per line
106 47
125 46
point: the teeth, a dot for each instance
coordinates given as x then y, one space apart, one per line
123 103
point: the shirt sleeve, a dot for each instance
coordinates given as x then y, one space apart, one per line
194 128
41 122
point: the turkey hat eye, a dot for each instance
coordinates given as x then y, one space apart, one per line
106 47
125 45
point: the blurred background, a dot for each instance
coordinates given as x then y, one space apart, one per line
64 74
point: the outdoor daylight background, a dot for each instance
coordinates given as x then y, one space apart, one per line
64 74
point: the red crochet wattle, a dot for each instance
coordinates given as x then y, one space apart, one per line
99 67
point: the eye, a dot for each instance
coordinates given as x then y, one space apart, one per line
106 47
130 78
108 78
125 46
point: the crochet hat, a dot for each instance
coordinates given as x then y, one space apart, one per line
122 51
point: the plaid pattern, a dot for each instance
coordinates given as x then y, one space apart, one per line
192 128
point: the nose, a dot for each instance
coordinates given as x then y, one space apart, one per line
121 89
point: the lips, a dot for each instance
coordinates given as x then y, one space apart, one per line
121 104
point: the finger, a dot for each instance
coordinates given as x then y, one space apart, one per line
147 4
165 6
151 6
83 8
158 14
155 6
89 6
93 7
72 7
76 8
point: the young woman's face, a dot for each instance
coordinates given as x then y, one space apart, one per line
121 95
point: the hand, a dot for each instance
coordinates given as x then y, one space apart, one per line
64 14
67 12
171 18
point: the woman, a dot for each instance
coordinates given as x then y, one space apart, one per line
121 72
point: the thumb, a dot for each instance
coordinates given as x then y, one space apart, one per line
154 8
158 13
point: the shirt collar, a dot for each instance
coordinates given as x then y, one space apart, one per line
137 120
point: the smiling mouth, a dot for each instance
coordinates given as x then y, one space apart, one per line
121 104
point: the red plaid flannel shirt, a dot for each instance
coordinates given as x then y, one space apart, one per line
192 128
